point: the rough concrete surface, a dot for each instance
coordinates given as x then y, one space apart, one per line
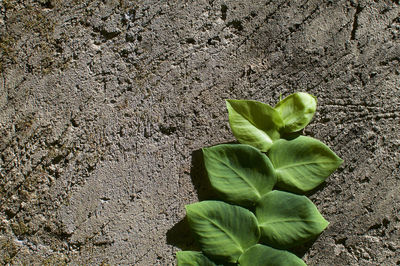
104 106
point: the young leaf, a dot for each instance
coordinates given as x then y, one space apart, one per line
296 110
193 258
287 219
224 231
254 123
241 173
302 163
260 255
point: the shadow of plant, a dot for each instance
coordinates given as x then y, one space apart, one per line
180 235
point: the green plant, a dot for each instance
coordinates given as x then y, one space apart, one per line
272 154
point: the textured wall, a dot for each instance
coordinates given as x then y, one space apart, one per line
105 104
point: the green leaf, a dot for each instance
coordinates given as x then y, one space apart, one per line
302 163
287 219
260 255
239 172
224 231
254 123
193 258
297 110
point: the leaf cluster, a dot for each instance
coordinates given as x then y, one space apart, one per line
272 155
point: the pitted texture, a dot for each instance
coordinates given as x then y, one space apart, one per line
105 104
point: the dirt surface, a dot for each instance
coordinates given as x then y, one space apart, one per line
105 104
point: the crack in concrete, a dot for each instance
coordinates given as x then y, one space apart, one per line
355 22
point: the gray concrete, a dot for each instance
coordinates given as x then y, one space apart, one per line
103 105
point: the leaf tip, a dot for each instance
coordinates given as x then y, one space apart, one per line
188 208
228 101
325 224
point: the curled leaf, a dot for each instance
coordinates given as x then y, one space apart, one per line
301 164
287 219
296 110
240 173
224 231
254 123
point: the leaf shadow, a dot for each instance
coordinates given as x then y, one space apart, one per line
180 236
291 136
301 250
318 188
199 177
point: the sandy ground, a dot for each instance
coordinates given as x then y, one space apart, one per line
104 106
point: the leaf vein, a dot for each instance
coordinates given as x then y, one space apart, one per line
223 230
241 177
305 163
